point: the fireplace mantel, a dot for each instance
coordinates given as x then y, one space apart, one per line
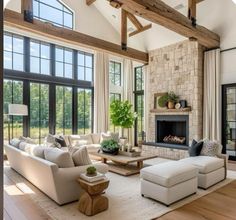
181 110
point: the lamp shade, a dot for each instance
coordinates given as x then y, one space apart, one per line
17 109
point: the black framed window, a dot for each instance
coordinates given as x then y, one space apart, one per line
63 110
13 52
229 120
84 111
85 66
39 111
115 73
139 103
64 62
13 94
53 11
39 57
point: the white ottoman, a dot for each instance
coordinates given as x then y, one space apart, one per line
169 182
211 169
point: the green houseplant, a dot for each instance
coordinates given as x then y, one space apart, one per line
172 99
91 171
110 146
122 115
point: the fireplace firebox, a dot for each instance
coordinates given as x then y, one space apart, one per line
172 130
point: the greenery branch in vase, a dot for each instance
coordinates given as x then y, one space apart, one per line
168 100
122 115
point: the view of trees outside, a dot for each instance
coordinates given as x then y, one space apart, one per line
84 111
63 110
13 93
39 111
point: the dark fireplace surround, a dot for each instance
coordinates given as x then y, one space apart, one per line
174 125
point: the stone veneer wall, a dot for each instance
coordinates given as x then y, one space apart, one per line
178 68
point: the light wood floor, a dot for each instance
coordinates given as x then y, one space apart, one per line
219 205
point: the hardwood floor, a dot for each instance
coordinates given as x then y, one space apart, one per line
232 165
218 205
18 205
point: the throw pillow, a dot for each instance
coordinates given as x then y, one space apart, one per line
211 148
114 135
50 141
96 138
61 158
27 140
38 151
15 142
195 148
105 137
81 157
22 145
60 139
80 140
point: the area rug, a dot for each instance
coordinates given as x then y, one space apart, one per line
125 201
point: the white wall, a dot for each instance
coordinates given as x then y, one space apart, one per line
228 67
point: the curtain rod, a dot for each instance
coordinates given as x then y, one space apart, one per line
232 48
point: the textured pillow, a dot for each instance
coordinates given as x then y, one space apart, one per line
81 157
60 139
96 138
38 151
50 141
67 140
195 148
105 137
22 145
79 140
15 142
61 158
211 148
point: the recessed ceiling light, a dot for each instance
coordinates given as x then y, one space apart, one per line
113 16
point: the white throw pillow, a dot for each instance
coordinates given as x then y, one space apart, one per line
27 140
81 157
211 148
50 141
23 145
38 151
96 138
79 140
105 137
61 158
15 142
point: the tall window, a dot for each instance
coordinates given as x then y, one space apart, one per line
84 111
85 66
64 62
39 111
139 101
115 73
13 94
63 110
53 11
39 57
113 97
13 52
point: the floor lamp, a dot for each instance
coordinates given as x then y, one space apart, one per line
16 110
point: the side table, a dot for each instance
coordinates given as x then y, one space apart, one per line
92 201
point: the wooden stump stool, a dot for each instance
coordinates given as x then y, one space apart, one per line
92 202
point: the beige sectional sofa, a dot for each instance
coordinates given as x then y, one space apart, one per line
60 184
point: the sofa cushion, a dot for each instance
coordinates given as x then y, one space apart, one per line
211 148
96 138
81 157
15 142
205 164
80 140
51 141
23 145
195 148
38 151
169 174
61 158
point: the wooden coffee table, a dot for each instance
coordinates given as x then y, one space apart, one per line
92 202
123 165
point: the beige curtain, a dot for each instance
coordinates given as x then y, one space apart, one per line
211 103
128 91
101 92
146 101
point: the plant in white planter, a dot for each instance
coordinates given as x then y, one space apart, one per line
122 115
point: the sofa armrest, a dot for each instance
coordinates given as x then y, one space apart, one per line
225 157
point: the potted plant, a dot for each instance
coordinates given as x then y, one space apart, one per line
122 115
91 171
172 99
110 147
163 100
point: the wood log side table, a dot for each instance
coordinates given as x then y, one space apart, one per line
92 202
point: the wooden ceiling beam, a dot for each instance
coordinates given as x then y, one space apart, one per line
192 11
115 4
26 5
135 21
123 29
140 30
90 2
16 20
160 13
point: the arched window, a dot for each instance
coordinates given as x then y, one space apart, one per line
53 11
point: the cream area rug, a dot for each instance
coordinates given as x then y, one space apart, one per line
125 201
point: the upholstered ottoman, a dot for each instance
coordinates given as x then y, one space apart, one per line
169 182
211 169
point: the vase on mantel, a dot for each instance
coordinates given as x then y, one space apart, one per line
171 105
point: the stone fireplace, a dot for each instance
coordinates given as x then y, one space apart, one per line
177 68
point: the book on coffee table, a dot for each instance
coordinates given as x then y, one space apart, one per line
99 176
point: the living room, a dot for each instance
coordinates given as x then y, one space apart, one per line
110 106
